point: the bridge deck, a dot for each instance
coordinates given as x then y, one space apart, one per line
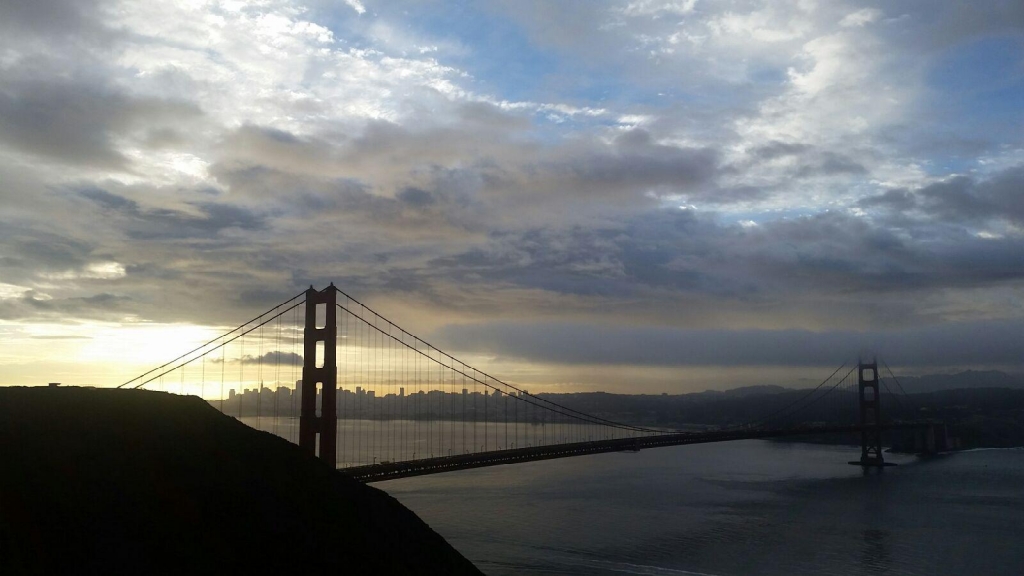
395 470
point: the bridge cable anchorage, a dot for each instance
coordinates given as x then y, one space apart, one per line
144 374
581 415
219 346
529 398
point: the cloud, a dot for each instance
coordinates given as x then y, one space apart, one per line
962 199
679 169
831 164
775 149
50 17
34 305
274 358
357 6
897 200
161 223
690 254
78 123
638 162
949 345
861 17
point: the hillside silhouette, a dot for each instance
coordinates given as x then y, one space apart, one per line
124 481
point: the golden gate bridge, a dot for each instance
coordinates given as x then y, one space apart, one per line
353 388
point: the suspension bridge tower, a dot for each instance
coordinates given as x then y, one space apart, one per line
870 401
318 424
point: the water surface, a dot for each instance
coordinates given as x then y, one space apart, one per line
749 507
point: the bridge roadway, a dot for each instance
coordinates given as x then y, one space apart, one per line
395 470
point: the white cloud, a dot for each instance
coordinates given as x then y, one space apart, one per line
860 17
357 6
11 291
92 271
769 25
658 7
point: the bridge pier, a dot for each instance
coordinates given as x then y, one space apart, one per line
319 368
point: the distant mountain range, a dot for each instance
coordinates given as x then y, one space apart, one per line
966 380
984 407
969 379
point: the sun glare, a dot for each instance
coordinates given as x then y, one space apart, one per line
147 344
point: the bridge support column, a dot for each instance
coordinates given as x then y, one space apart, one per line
870 401
319 369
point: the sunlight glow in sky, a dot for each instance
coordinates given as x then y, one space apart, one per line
642 195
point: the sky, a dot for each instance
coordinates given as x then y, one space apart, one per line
638 196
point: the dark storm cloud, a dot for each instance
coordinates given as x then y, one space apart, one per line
830 164
28 254
460 181
962 199
50 17
898 199
160 138
77 121
965 199
35 306
489 116
415 197
717 196
637 162
440 204
162 223
996 342
956 200
776 149
684 252
61 122
266 146
923 27
47 251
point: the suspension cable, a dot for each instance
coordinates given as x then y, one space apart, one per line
221 345
802 398
583 415
144 374
529 398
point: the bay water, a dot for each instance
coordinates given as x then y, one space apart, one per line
747 507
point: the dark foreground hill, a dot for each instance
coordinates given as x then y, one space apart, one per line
119 481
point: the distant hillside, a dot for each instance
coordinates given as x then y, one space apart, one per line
961 380
743 391
137 482
981 416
